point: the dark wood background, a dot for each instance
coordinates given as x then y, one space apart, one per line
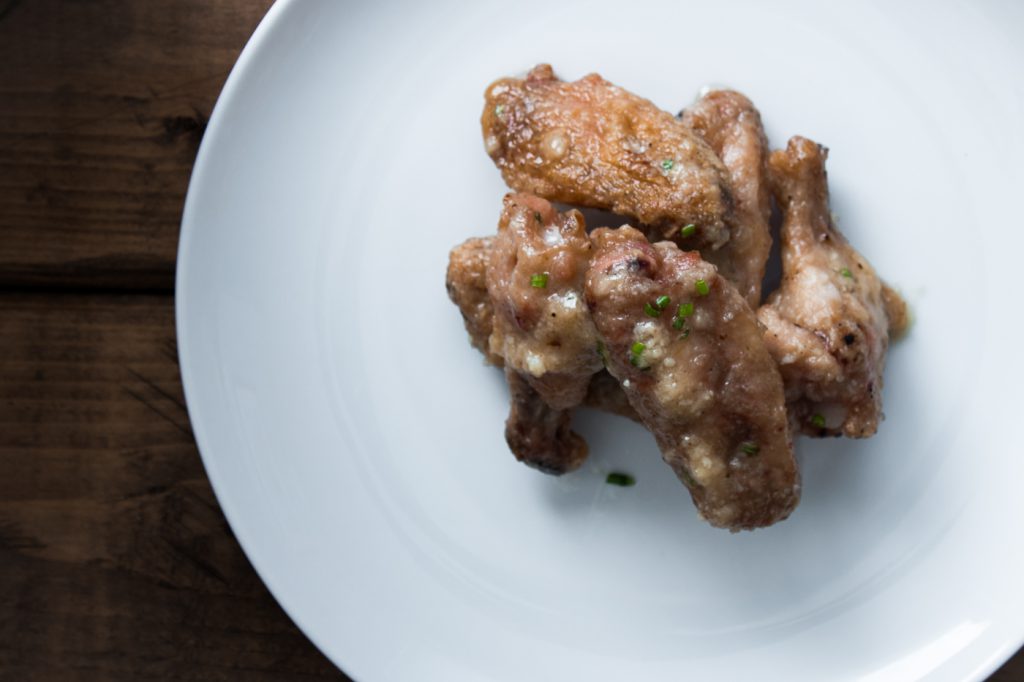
115 560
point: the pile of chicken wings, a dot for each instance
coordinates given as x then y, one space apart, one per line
664 320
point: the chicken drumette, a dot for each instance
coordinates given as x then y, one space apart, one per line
466 282
688 352
828 325
540 327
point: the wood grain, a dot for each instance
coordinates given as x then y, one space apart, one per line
115 560
102 106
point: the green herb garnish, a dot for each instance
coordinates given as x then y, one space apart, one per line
702 287
539 281
818 421
662 302
667 164
845 272
624 480
635 351
682 312
688 230
651 310
499 110
749 447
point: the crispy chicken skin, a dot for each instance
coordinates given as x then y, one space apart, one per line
731 126
594 144
828 324
700 378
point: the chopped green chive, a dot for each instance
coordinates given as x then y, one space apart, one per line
539 281
685 334
818 421
667 164
702 287
749 447
688 230
635 351
682 312
624 480
499 110
845 272
660 303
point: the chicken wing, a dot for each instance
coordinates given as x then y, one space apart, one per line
535 276
541 327
594 144
828 325
536 434
467 287
731 126
466 282
688 352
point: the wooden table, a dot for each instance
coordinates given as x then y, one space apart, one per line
115 560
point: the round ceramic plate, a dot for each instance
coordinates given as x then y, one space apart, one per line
355 440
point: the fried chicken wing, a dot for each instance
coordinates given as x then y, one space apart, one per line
467 287
535 276
828 325
594 144
731 126
541 327
688 352
466 282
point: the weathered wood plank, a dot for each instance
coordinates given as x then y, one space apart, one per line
102 106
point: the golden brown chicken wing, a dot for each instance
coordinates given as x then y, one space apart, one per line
541 328
829 323
594 144
688 352
467 287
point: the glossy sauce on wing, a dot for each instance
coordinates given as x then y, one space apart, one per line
688 352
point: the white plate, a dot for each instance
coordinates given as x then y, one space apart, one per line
355 439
